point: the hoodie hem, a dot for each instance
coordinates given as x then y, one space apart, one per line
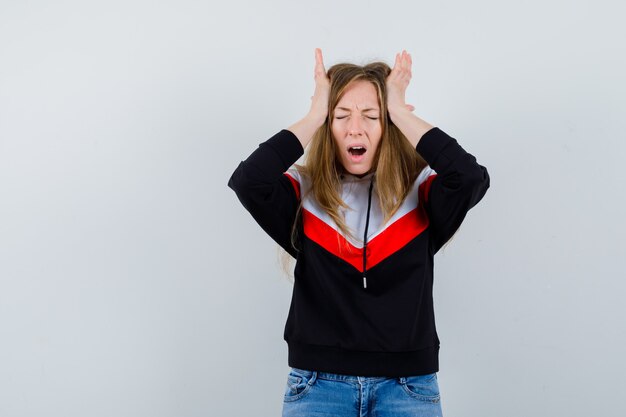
363 363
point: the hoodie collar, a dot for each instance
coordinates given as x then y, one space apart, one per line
353 178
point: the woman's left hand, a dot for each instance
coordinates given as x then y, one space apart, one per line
400 113
397 83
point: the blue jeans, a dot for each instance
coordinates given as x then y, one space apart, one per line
312 393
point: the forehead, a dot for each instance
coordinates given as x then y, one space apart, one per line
358 94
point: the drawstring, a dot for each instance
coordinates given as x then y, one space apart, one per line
367 223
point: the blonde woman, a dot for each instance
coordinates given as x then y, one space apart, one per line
381 191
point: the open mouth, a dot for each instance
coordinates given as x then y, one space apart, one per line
356 150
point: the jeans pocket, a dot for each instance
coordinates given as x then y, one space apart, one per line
299 383
421 387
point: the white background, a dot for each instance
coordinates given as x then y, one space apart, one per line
133 283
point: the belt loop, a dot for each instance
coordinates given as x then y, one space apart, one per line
402 380
313 378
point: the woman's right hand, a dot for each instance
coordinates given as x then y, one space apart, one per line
306 128
319 101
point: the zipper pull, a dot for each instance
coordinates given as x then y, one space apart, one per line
364 282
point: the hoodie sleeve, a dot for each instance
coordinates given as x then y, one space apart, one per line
265 191
458 185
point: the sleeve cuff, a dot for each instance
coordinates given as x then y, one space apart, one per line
287 146
432 143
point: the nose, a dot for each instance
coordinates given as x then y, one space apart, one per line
355 127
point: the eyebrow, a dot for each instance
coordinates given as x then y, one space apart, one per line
362 111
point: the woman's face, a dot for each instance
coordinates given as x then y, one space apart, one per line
356 127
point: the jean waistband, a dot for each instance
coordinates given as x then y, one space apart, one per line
341 377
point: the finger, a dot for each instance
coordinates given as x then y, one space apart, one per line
319 59
406 65
405 60
408 62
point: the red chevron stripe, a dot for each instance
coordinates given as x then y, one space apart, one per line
398 234
328 238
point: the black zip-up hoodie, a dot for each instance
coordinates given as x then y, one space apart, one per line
362 303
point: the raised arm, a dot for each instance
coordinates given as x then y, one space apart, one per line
459 183
260 181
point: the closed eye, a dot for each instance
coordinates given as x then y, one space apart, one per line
343 117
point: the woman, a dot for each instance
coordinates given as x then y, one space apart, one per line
380 193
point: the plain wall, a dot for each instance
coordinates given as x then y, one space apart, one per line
133 283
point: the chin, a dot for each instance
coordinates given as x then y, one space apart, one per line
357 170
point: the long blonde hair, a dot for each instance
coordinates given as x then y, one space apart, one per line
396 163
